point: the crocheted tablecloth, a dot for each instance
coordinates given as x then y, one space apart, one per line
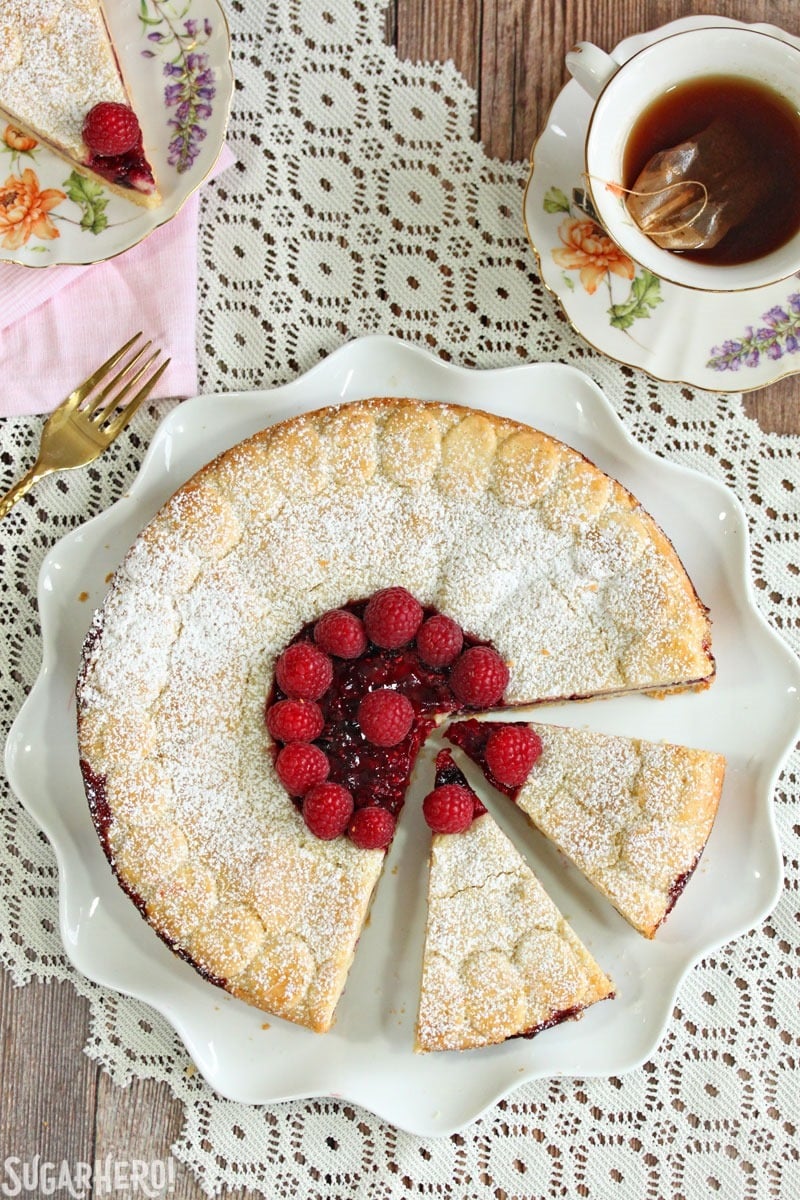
361 203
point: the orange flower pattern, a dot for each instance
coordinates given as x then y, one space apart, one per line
24 210
588 249
15 139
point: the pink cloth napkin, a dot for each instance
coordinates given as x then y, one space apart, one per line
58 325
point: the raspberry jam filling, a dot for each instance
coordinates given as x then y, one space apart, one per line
130 169
447 772
473 737
378 774
371 747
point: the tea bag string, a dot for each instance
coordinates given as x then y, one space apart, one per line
618 190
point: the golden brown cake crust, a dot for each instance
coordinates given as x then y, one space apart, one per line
515 535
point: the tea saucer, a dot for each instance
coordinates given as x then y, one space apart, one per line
723 342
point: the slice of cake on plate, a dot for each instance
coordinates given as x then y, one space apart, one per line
500 961
283 635
61 83
634 816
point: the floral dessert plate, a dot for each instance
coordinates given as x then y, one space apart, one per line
722 342
176 58
751 714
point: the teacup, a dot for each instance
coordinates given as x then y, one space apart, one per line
623 91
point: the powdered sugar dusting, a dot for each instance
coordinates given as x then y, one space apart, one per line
55 64
633 816
299 521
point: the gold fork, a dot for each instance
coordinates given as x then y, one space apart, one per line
75 434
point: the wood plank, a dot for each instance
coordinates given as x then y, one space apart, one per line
58 1104
522 68
526 61
512 52
141 1121
776 408
47 1085
422 31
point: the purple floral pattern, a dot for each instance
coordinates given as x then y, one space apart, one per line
777 335
190 84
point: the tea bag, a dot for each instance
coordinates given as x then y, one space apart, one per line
689 196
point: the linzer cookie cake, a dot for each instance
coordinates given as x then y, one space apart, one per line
282 637
60 82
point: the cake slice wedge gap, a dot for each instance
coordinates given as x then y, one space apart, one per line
500 961
633 816
61 84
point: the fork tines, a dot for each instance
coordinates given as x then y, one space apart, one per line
109 409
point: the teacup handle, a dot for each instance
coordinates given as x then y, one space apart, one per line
591 67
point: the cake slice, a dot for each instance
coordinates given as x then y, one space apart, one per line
58 67
633 816
499 961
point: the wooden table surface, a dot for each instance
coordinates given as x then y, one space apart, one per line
54 1101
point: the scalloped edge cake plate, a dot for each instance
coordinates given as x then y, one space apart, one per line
751 714
733 342
168 50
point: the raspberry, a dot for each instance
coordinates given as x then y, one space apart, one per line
300 766
295 720
304 672
327 808
439 641
371 828
110 129
341 633
392 617
385 717
510 753
479 677
449 808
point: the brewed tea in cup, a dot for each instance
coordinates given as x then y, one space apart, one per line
693 155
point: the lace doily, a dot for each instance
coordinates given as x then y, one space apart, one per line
360 203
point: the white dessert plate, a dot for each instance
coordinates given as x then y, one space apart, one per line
751 714
722 342
176 57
